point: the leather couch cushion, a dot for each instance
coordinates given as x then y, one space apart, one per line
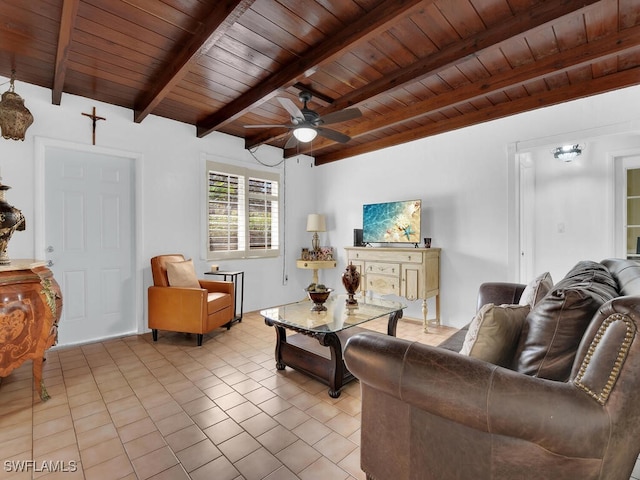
536 289
217 301
553 329
626 273
182 274
493 333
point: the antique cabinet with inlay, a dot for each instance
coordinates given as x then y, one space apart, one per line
412 273
30 307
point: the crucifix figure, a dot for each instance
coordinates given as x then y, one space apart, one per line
95 119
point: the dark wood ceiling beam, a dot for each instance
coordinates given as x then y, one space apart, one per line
596 86
362 29
67 22
604 48
517 26
224 15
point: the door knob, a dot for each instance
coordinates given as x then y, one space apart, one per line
49 249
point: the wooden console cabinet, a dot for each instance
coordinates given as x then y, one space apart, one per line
30 307
412 273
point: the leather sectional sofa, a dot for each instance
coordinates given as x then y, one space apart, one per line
561 404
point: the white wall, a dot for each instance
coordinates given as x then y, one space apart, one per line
574 216
172 189
465 179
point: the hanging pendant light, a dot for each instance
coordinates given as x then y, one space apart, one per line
15 118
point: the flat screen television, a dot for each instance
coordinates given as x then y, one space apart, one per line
391 222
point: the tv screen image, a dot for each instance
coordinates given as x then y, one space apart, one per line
391 222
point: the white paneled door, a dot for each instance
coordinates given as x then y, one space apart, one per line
89 231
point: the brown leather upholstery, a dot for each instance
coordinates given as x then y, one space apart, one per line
499 293
430 413
189 310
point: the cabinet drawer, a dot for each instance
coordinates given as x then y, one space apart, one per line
371 254
383 284
382 268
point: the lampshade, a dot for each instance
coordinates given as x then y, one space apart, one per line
566 153
316 223
305 134
15 118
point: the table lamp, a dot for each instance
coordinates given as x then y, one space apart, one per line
316 223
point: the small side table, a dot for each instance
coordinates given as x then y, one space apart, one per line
236 278
315 265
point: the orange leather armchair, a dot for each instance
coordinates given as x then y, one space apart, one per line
187 309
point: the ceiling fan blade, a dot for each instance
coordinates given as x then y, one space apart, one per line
341 116
291 107
291 142
267 126
333 135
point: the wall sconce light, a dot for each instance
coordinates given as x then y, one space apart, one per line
305 134
316 223
15 118
566 153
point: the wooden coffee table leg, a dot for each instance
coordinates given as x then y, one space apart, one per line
393 322
281 335
336 376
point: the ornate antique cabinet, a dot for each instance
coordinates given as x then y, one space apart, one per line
412 273
30 307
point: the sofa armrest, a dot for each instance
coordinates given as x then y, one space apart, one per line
557 416
178 309
499 293
181 293
217 286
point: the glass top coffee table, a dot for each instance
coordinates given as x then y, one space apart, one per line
316 347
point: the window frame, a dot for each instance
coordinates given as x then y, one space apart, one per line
246 173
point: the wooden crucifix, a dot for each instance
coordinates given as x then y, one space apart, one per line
95 119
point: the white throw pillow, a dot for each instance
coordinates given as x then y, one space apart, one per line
182 274
536 289
494 332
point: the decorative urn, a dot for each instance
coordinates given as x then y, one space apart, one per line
351 282
11 219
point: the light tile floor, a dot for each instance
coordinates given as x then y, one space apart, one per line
133 409
130 408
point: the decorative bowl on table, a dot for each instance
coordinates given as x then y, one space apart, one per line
318 294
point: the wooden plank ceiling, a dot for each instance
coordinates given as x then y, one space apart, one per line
413 68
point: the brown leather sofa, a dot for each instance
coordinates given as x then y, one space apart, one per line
198 309
432 413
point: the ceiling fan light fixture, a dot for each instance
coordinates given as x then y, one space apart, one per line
305 134
566 153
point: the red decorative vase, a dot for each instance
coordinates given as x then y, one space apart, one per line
351 282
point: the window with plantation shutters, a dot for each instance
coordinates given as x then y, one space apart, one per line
242 212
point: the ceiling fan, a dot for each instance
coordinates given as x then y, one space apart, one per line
307 123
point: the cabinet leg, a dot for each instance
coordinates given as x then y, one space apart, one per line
425 312
37 379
